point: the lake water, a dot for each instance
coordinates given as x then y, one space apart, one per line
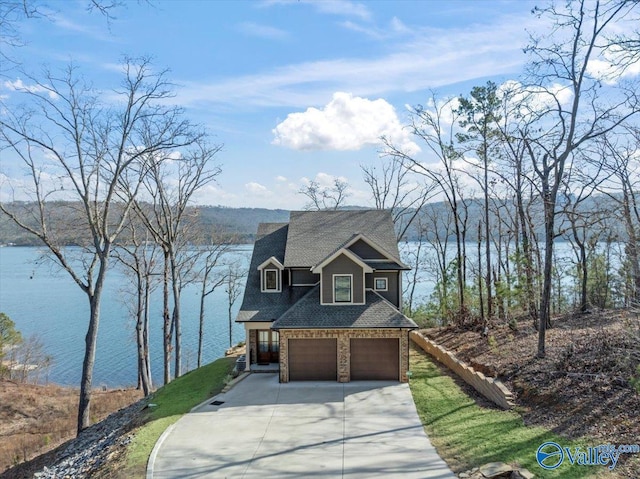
44 301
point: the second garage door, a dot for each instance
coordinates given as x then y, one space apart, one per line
375 359
313 359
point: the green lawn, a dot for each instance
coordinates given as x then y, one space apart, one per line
173 400
467 435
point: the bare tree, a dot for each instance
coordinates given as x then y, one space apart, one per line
395 187
515 172
622 186
325 197
170 184
209 282
75 147
435 126
139 259
234 286
579 187
565 127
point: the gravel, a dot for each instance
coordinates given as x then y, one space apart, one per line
86 453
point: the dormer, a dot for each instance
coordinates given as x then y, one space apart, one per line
342 278
271 275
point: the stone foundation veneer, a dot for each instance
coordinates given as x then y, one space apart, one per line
344 347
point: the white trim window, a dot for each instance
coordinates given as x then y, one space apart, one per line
380 284
343 288
271 281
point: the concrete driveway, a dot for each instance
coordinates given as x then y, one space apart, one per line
268 430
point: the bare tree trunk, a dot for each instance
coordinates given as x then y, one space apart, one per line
532 309
177 327
487 233
201 322
480 294
145 331
584 273
460 256
545 298
91 338
166 325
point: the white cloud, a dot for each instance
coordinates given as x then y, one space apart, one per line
19 85
429 58
324 180
344 8
281 178
345 123
395 28
610 70
535 99
262 31
341 7
257 189
398 26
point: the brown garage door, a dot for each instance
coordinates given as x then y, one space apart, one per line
313 359
375 359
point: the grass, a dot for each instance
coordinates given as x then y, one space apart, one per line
172 401
467 435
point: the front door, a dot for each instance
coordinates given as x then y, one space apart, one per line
268 346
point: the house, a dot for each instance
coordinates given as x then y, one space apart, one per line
323 298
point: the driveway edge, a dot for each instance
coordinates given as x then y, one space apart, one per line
156 448
167 431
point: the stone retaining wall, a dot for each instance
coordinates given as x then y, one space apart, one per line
490 388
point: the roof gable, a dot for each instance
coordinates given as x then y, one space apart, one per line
315 235
349 254
272 261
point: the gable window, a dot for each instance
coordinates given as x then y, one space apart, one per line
380 284
342 288
270 281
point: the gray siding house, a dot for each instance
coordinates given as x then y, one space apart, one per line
323 298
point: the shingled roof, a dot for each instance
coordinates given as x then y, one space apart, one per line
306 240
314 235
308 313
271 240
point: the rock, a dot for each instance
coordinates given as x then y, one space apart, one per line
496 469
522 474
463 475
87 452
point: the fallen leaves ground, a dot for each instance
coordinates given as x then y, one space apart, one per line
35 419
581 389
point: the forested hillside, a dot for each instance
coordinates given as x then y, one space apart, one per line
241 223
219 221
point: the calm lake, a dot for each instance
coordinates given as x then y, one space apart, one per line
44 301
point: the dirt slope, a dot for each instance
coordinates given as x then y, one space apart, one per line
580 389
35 419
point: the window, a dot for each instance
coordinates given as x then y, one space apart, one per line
271 280
380 284
342 288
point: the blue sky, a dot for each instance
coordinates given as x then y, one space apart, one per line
295 90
